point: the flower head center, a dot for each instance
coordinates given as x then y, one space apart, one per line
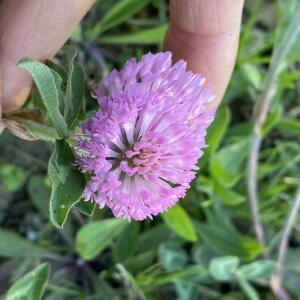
140 159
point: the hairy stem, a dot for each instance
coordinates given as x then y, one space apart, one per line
252 189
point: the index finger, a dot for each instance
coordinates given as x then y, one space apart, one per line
206 34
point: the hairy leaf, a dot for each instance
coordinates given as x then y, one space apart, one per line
47 85
67 183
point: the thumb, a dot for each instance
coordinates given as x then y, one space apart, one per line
36 29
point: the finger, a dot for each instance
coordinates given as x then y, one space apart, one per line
206 34
36 29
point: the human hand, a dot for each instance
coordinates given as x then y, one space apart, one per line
204 33
33 28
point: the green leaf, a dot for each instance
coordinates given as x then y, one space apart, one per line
240 129
226 241
46 83
197 272
186 291
67 183
236 88
272 119
136 292
58 69
31 286
153 237
172 257
228 196
140 262
289 126
77 34
179 221
59 82
13 245
94 237
75 95
252 75
86 207
75 88
248 289
107 291
227 163
28 124
291 271
224 268
217 130
37 100
12 177
40 131
39 194
127 242
120 12
233 296
289 80
145 37
259 269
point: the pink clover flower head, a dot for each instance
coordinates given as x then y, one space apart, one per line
142 146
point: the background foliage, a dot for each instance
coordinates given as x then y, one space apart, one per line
204 248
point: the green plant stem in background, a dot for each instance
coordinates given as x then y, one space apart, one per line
281 50
261 111
252 189
291 220
260 114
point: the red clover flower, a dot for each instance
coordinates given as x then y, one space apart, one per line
142 146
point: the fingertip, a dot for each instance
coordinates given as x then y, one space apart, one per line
208 40
15 85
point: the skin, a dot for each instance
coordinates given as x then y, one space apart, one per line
204 33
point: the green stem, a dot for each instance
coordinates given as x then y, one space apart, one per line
261 110
290 223
280 52
287 231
